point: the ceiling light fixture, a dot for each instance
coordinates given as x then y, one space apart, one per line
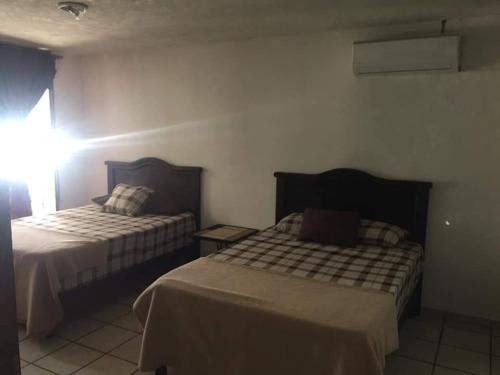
74 8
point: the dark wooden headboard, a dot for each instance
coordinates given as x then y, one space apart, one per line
399 202
177 189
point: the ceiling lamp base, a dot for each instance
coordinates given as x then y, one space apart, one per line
73 8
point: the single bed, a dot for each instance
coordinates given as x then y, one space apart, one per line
272 304
64 251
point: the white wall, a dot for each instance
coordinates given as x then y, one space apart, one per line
69 110
244 110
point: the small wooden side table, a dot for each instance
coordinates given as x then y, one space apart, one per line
224 235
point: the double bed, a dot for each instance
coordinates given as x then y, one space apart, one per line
272 304
62 252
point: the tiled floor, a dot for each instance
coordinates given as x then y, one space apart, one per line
106 341
437 343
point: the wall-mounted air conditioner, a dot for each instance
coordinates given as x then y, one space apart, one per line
440 53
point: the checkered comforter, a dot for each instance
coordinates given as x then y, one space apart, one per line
132 240
393 270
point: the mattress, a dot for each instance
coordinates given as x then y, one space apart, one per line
130 240
394 270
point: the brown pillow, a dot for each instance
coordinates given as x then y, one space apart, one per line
330 227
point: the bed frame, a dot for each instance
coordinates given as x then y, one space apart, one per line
400 202
177 189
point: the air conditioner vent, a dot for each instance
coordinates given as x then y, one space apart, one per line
441 53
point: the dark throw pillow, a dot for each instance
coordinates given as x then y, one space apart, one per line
101 199
330 227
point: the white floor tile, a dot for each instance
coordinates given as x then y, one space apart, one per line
468 323
464 360
405 366
106 338
421 330
417 349
108 365
447 371
110 312
130 322
23 363
430 316
68 359
129 300
76 328
130 350
32 349
466 340
33 370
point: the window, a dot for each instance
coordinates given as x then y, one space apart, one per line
28 153
41 181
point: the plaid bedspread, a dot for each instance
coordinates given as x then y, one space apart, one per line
393 270
132 240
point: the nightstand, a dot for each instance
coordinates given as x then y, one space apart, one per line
224 235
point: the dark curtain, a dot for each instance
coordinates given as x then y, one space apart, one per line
25 74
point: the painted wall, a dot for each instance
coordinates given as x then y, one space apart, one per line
244 110
69 118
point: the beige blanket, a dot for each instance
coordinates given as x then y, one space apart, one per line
42 258
209 317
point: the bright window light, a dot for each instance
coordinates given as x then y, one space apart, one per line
31 151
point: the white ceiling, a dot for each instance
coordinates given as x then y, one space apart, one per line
133 23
